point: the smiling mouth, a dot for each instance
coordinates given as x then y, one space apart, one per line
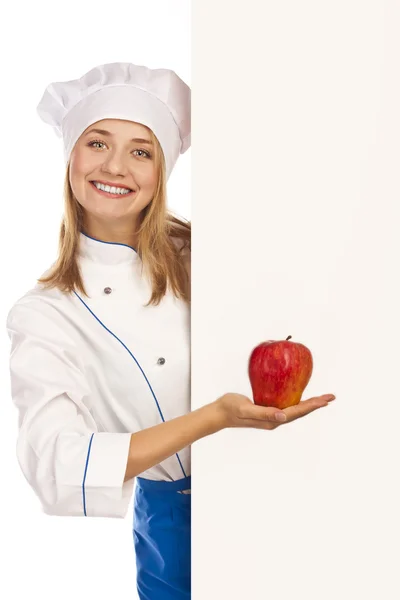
109 194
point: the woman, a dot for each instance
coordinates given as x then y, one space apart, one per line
100 360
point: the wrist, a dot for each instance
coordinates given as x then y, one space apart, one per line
215 415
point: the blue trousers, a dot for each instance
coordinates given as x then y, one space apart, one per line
161 533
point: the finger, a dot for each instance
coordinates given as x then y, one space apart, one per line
317 401
303 408
324 398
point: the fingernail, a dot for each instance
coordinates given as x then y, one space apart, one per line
281 417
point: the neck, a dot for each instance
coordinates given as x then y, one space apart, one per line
120 233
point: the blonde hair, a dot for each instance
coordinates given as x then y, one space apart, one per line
164 243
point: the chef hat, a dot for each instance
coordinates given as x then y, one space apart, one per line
157 98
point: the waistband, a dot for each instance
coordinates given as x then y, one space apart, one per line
164 486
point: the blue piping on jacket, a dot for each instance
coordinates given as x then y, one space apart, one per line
144 375
84 476
113 243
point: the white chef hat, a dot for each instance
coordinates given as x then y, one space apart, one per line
157 98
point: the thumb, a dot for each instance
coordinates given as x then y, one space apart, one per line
263 413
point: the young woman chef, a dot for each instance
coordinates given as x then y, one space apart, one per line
100 359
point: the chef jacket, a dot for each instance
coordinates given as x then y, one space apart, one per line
86 372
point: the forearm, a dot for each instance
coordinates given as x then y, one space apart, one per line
151 446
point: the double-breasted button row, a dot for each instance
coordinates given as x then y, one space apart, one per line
161 360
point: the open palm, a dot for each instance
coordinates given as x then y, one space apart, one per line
240 411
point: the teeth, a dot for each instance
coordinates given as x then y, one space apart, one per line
111 189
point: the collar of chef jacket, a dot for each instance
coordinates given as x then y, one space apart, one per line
106 253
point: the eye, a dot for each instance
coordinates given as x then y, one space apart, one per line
95 142
143 153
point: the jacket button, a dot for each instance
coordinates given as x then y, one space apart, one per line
161 361
107 290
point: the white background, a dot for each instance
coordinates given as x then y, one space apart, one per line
42 42
295 208
295 195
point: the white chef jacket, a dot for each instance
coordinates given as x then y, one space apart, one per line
86 372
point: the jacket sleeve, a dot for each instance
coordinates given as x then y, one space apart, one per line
74 469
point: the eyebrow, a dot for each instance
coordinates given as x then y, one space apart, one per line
107 133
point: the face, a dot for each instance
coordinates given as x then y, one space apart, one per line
119 154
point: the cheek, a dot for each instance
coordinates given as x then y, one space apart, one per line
80 162
81 166
148 180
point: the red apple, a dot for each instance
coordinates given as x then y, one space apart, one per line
279 371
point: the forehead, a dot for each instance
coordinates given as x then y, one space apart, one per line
120 127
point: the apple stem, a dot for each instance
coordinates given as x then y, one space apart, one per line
288 338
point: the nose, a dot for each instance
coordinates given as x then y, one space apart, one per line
114 163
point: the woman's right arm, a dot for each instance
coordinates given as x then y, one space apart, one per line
153 445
